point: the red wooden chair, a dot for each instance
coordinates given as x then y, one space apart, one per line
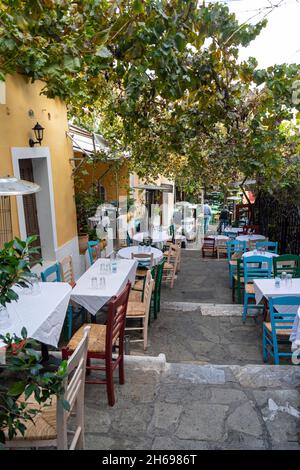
250 228
208 247
103 340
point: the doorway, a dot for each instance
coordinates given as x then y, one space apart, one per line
30 207
36 212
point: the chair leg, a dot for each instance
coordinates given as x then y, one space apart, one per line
121 363
245 307
265 349
110 382
145 334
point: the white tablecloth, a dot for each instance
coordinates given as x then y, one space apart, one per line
295 335
233 229
267 254
266 288
156 236
218 237
42 315
247 238
126 253
93 299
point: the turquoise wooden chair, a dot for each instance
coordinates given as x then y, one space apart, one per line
92 251
53 274
278 330
286 263
255 267
272 247
234 246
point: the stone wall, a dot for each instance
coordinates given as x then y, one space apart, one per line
278 221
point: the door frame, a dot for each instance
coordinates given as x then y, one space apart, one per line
19 153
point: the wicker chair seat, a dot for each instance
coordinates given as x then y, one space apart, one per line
283 332
135 296
135 309
139 284
250 289
43 426
168 266
96 339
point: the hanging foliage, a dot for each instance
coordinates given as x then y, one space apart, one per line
161 80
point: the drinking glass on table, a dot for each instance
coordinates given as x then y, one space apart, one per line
35 286
283 276
289 280
102 282
94 282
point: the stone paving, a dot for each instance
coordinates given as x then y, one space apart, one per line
200 280
190 407
190 336
211 391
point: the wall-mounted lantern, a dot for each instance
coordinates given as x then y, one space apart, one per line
39 134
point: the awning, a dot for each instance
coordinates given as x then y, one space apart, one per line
150 187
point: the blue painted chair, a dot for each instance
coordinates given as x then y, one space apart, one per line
92 251
53 274
272 247
278 330
255 267
129 240
234 246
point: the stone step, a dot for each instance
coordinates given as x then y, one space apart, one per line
206 309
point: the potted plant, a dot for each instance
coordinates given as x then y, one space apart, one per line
86 205
15 270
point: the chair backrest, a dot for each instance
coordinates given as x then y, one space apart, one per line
250 229
208 243
235 246
145 260
221 244
272 247
117 309
173 254
159 274
148 289
129 239
51 274
74 395
66 270
92 251
280 315
257 267
287 263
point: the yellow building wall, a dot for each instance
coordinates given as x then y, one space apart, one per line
16 122
109 180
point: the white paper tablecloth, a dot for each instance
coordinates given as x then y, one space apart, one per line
93 299
126 253
266 288
42 315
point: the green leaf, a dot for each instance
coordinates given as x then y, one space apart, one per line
17 388
138 6
103 52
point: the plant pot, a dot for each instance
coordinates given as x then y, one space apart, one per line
83 242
